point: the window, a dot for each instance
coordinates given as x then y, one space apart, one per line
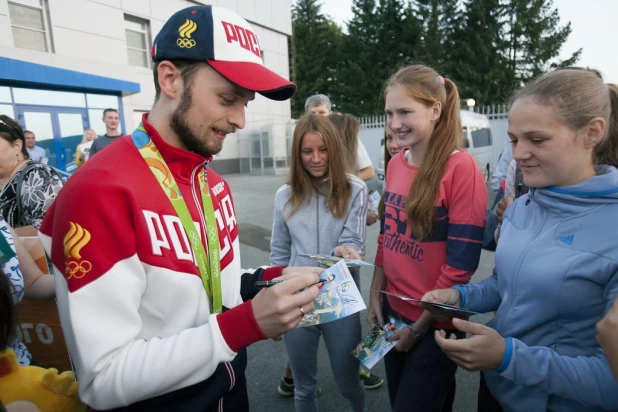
102 101
28 24
48 98
138 41
481 137
5 95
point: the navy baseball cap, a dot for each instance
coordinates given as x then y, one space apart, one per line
224 40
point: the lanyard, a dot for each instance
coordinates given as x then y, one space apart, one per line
209 266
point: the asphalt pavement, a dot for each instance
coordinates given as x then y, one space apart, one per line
254 202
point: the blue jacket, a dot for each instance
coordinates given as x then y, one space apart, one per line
556 276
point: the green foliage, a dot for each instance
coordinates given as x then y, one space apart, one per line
316 46
488 47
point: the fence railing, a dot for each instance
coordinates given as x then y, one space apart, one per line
494 111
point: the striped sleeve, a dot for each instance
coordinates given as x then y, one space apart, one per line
466 201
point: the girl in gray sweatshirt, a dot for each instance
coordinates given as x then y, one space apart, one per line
322 210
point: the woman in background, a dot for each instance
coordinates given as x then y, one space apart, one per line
82 152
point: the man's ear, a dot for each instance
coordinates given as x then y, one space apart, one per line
169 79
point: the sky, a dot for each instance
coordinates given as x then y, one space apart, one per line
593 23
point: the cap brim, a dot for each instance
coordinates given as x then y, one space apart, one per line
257 78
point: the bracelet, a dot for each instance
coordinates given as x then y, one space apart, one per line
415 334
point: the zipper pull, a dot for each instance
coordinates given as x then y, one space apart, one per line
531 196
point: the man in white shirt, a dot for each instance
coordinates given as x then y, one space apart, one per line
36 153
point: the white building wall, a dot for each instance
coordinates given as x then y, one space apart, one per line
89 36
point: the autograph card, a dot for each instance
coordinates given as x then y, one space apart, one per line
338 297
439 305
329 261
374 346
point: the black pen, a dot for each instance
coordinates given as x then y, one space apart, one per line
269 283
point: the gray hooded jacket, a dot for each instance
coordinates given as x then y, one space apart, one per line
313 229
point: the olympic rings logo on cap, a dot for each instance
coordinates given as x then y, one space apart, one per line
185 43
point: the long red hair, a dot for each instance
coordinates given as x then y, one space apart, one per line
423 84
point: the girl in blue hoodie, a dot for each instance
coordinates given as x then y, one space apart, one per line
321 210
556 271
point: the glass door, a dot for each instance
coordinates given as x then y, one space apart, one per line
71 126
57 130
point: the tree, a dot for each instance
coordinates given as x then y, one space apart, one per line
534 38
381 37
476 53
440 21
316 42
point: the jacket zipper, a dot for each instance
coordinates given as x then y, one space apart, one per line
519 263
531 196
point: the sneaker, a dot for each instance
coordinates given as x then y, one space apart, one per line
370 381
286 387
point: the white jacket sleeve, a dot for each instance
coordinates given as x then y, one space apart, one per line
101 322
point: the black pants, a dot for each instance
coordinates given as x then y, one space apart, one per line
486 401
422 379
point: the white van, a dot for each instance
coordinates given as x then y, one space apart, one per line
477 141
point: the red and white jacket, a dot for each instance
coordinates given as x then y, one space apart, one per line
134 312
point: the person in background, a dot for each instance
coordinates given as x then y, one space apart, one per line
502 166
321 210
557 259
320 104
82 152
432 223
27 188
111 118
347 128
36 153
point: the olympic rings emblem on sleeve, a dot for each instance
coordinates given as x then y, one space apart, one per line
77 270
185 43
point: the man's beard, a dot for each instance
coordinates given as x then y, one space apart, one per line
180 126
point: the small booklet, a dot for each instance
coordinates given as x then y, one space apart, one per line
444 306
338 297
329 261
373 202
374 346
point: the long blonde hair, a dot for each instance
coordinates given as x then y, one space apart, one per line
303 186
85 138
423 84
